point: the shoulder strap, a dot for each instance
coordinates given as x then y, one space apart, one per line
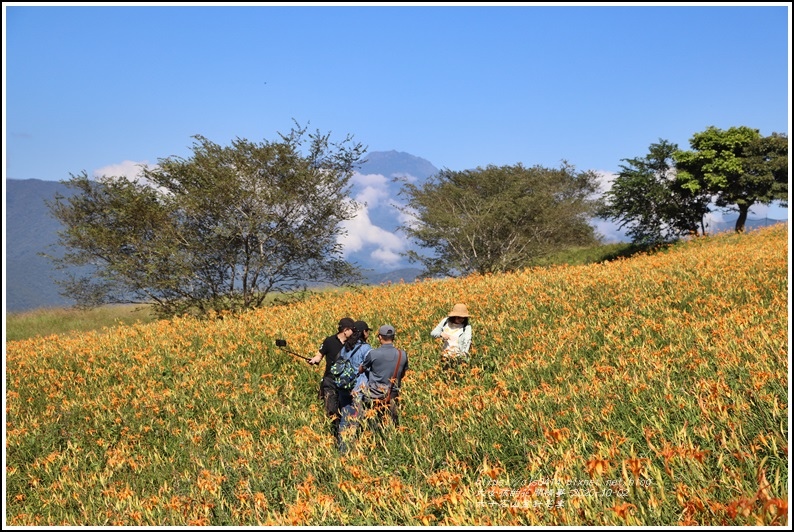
394 376
348 357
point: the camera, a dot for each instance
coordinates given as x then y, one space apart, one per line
283 344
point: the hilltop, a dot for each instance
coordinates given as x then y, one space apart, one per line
651 390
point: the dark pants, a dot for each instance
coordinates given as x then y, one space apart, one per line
382 409
350 418
329 394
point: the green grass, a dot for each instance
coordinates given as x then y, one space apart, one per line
578 256
60 321
662 379
63 321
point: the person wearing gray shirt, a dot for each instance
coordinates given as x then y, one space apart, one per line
385 368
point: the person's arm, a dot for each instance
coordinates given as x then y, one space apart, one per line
464 342
316 359
367 363
436 333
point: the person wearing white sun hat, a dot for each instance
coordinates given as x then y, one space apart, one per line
455 331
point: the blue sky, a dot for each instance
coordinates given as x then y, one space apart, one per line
98 87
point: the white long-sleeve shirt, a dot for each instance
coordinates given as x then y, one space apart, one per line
459 336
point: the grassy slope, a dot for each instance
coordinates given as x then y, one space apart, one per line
649 391
61 321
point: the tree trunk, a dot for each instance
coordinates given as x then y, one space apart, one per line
742 218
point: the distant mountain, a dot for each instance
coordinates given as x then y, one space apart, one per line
31 230
396 164
406 275
729 225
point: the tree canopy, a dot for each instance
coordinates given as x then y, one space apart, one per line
497 219
738 166
219 230
647 198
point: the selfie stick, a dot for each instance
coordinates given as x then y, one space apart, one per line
282 344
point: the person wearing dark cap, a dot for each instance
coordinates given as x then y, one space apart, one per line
329 350
356 347
362 330
385 368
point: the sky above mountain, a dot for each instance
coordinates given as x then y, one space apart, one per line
93 86
105 88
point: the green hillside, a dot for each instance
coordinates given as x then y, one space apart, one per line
644 391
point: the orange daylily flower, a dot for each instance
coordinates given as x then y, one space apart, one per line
622 509
556 435
778 507
635 465
596 466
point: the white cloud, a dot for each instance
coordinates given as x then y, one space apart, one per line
370 196
605 180
369 188
129 169
355 228
386 257
363 234
759 211
407 219
369 180
609 231
372 191
773 211
715 216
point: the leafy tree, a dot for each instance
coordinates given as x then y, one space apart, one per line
497 219
217 231
738 166
647 198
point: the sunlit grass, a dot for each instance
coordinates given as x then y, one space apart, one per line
49 321
646 391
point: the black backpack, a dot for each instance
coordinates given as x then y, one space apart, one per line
343 372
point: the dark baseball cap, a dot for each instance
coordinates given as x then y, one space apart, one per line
361 325
346 323
386 330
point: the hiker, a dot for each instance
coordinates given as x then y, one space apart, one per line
384 368
455 330
350 408
330 349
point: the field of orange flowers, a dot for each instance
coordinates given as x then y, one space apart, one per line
646 391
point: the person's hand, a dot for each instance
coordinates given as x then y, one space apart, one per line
445 336
315 360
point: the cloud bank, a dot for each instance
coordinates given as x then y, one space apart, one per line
366 237
129 169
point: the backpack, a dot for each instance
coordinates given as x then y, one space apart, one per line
343 372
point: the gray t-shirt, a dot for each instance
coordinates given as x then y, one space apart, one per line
379 365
